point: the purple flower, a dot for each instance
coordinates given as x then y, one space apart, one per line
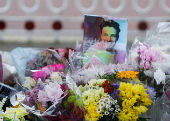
115 85
151 92
115 92
42 86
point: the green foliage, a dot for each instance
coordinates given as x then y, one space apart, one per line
108 76
66 104
71 99
79 102
72 93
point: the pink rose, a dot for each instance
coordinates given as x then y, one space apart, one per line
61 52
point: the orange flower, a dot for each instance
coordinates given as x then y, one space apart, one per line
127 74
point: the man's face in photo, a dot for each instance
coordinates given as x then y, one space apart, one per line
108 34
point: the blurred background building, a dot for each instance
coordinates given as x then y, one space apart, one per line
59 23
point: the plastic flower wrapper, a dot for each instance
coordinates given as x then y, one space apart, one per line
49 96
27 59
158 37
7 69
162 104
12 114
153 53
152 64
92 69
45 89
5 91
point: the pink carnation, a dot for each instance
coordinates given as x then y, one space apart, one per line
46 71
39 74
56 67
42 97
53 91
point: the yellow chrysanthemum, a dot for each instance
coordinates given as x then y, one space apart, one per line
96 82
91 98
92 114
127 74
132 95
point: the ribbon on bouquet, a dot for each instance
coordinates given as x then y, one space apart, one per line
1 70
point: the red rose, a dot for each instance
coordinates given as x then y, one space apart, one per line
67 52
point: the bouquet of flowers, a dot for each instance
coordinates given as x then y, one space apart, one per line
124 99
28 59
48 95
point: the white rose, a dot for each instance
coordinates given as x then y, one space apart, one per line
29 82
56 77
159 76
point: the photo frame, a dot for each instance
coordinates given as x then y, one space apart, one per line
105 37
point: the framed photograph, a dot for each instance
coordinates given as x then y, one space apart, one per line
105 37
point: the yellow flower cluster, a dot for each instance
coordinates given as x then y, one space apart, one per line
127 74
135 99
96 82
20 112
92 114
91 99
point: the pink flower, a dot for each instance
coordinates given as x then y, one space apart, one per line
46 69
39 74
56 67
44 72
53 91
61 52
42 97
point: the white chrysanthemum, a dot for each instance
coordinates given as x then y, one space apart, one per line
29 83
107 106
101 105
84 75
111 109
117 106
56 77
92 82
114 102
107 100
117 110
107 96
99 110
159 76
101 101
106 113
